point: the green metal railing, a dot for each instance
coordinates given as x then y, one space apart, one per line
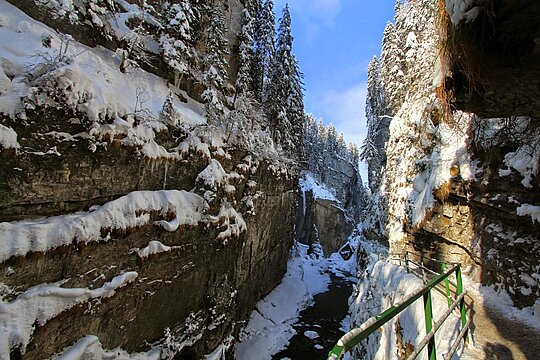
355 336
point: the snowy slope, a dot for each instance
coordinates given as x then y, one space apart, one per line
54 70
383 285
319 189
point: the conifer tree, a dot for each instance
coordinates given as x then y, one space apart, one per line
168 114
215 74
264 43
178 34
246 55
284 103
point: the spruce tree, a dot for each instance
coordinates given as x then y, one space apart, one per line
177 38
215 74
284 103
168 114
264 43
246 55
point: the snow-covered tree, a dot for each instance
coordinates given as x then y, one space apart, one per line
176 39
392 56
246 56
378 121
168 114
284 103
330 160
133 48
264 44
215 74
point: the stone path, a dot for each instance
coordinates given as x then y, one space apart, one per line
498 337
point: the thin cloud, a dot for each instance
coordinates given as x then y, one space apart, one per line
315 15
325 6
346 110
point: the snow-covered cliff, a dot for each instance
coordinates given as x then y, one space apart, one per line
451 185
136 213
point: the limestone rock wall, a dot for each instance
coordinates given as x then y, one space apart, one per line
212 282
322 221
460 187
81 254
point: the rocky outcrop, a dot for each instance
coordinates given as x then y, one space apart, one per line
123 218
203 280
494 59
458 186
333 163
322 221
93 24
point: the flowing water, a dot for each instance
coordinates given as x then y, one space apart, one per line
318 328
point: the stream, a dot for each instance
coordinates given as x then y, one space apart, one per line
318 327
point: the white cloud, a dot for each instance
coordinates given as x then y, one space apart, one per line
346 110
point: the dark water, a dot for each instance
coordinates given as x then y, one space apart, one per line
324 317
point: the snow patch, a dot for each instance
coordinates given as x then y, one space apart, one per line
526 161
460 10
320 190
213 175
531 210
89 347
8 138
43 302
232 220
153 247
130 211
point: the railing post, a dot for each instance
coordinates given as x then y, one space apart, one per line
422 268
428 313
407 260
447 285
462 308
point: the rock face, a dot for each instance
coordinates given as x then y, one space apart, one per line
330 161
203 280
322 221
458 186
496 68
81 254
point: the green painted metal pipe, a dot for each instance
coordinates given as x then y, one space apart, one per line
355 336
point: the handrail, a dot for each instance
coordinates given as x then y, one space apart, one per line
436 326
351 339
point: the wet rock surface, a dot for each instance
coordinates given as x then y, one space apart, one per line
322 221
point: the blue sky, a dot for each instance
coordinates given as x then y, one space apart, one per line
334 40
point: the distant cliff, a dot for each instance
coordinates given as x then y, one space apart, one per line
333 196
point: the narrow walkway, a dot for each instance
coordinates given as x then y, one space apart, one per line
498 337
495 335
